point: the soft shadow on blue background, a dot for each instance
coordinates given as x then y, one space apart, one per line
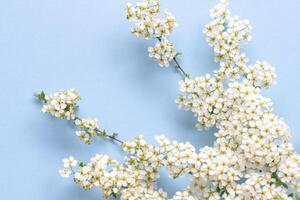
87 45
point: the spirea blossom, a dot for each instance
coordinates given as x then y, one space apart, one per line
147 20
88 129
68 164
163 52
65 173
225 34
61 104
252 143
150 25
252 156
216 174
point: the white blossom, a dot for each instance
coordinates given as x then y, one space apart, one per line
163 52
252 156
65 173
61 104
149 24
69 162
88 129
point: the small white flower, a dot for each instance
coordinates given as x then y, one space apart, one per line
65 172
251 158
163 52
61 104
69 162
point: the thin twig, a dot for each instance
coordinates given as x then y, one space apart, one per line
177 65
115 139
186 75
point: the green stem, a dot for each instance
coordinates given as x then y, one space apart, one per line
177 65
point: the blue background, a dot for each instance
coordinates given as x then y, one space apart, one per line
87 45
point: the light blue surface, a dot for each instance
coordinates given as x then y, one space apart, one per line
87 45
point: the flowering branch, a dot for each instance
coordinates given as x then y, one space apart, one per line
63 104
149 25
177 65
252 157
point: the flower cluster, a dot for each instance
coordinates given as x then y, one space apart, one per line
61 104
225 33
216 174
163 52
260 75
89 129
96 173
149 25
68 164
134 179
252 157
252 143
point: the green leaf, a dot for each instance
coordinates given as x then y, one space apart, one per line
114 135
81 164
278 181
178 54
41 96
297 197
68 107
221 191
75 107
187 75
284 185
291 195
273 175
103 133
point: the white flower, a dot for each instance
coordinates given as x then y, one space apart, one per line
251 158
163 52
65 172
61 104
69 162
88 129
150 24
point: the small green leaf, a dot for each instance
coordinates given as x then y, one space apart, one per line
273 175
114 135
41 96
278 181
284 185
291 195
178 54
103 133
75 107
68 107
81 164
297 197
221 191
187 75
